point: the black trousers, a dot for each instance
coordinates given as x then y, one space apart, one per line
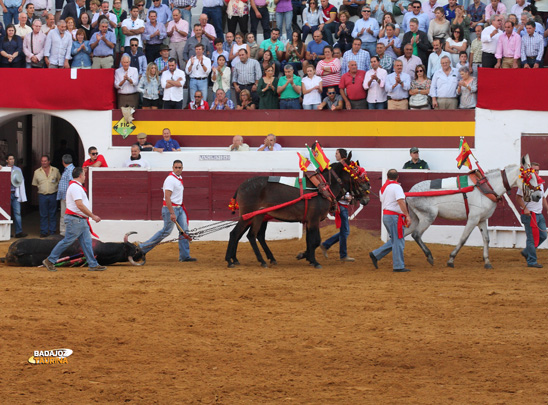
488 60
152 51
173 105
265 21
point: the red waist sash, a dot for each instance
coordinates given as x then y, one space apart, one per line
401 221
69 212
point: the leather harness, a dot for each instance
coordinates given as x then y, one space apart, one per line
480 181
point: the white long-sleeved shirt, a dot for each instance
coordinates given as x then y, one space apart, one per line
376 92
400 91
445 85
58 48
127 87
488 43
434 62
173 93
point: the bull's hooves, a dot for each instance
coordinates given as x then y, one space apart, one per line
300 256
273 262
230 265
430 260
488 266
264 265
451 265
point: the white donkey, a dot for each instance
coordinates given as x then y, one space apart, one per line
425 209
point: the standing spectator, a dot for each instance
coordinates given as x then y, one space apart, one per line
208 30
289 89
429 7
149 87
32 13
58 47
455 45
434 60
397 87
532 47
121 15
33 46
420 88
345 27
163 13
73 9
476 12
386 61
422 19
296 51
328 21
461 21
143 12
237 45
229 41
367 29
198 38
22 29
329 69
185 8
214 11
246 75
416 162
11 10
374 83
495 7
440 27
311 18
144 146
518 8
46 178
112 20
508 52
133 27
268 95
154 35
351 88
177 32
102 43
259 12
18 196
136 160
358 55
66 177
410 61
444 86
418 40
95 159
71 27
467 88
220 76
238 14
198 103
449 10
218 52
221 102
173 81
489 40
167 144
85 23
198 69
312 89
284 15
81 51
50 24
391 42
126 79
269 144
274 45
475 51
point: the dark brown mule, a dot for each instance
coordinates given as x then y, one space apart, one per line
257 194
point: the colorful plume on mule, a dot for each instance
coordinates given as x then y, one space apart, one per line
233 205
464 154
303 162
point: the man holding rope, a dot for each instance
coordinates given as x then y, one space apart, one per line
173 212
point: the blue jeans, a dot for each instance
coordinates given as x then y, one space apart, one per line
197 85
186 15
378 106
530 248
342 235
308 30
285 18
16 214
328 31
48 211
310 106
394 244
290 104
184 248
370 47
76 228
11 14
215 18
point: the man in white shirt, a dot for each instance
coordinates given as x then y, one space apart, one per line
443 89
434 60
133 27
374 83
57 51
489 41
126 79
113 21
410 61
77 223
172 81
395 216
136 160
517 8
397 87
198 68
49 25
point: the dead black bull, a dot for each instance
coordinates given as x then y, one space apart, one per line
31 252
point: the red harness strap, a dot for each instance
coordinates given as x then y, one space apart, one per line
465 197
305 197
69 212
401 221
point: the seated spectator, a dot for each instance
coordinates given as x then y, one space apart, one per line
311 19
11 49
126 80
102 44
461 21
391 42
173 81
312 89
467 89
33 46
246 74
49 25
367 29
229 41
418 40
218 43
237 45
357 54
95 160
198 38
94 10
268 95
31 15
221 102
150 87
476 12
532 47
374 83
269 144
518 8
397 87
475 51
508 52
238 144
386 61
289 90
410 61
329 69
389 18
103 11
332 101
178 33
353 8
440 27
167 144
416 162
495 7
344 32
208 30
351 87
163 12
314 49
296 52
434 60
144 146
198 103
328 21
22 29
444 86
162 61
154 34
450 9
275 46
253 46
267 61
246 102
220 76
136 160
138 59
337 54
420 88
81 51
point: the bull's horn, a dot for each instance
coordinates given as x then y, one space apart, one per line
133 262
127 236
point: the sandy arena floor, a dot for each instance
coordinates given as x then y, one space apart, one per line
201 333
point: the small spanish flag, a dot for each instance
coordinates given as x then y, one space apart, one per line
312 157
303 162
319 154
464 154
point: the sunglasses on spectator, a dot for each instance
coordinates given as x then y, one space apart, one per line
416 6
134 45
330 92
94 153
366 11
420 70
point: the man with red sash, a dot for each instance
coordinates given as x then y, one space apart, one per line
533 221
395 217
172 210
77 224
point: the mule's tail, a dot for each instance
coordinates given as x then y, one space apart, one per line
233 204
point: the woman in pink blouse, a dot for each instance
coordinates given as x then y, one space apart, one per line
329 69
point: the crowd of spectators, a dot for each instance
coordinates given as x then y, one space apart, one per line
430 60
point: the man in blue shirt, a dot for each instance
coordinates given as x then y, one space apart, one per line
66 178
450 10
167 144
314 49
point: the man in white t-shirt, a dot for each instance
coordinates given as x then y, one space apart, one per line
136 160
531 214
133 27
77 224
395 216
173 211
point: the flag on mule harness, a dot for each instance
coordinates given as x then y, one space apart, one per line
464 154
312 158
320 156
303 162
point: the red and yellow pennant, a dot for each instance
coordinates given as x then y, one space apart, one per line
464 154
303 162
320 156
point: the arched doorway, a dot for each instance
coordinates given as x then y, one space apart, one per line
28 137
